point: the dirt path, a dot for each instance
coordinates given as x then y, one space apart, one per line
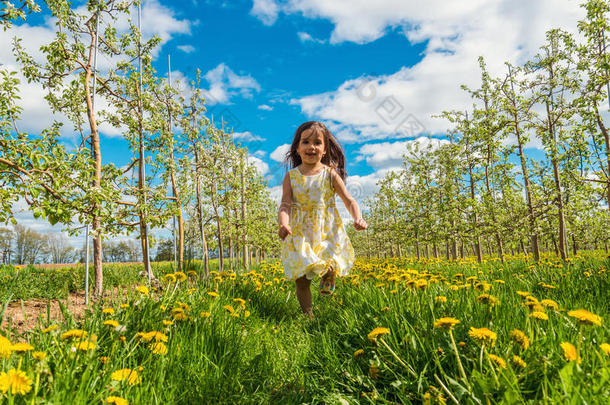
23 315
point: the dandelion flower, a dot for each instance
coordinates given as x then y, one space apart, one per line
22 347
153 335
131 376
50 328
112 323
229 308
358 352
518 361
569 351
375 333
241 302
523 293
84 346
213 294
180 276
550 304
142 289
539 315
74 334
499 361
487 299
108 311
605 348
205 314
585 317
446 323
169 278
158 348
39 355
167 323
441 299
483 335
16 381
520 338
374 371
116 400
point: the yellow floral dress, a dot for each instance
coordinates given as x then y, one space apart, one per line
318 238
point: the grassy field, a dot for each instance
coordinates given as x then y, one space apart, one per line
389 334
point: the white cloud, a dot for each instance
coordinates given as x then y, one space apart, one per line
186 48
259 153
224 84
265 107
260 165
389 155
401 104
265 10
306 37
280 152
247 136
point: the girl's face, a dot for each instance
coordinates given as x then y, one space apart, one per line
311 147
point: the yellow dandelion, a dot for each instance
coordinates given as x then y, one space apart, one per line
158 348
116 400
375 333
126 374
104 359
205 314
374 371
585 317
124 306
39 355
518 361
84 346
539 315
108 311
483 335
167 323
440 299
74 334
213 294
246 314
523 293
15 381
229 308
605 348
358 352
520 338
22 347
499 361
112 323
50 328
142 289
153 335
569 351
550 304
180 316
180 276
169 278
446 323
487 299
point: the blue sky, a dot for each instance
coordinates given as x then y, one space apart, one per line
373 72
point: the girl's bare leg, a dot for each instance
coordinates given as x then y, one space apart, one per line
304 295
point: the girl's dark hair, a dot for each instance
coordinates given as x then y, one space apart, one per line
334 156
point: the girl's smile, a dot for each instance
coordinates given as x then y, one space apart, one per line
311 147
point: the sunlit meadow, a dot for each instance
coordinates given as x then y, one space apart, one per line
395 331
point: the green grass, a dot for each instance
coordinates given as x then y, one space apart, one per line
276 355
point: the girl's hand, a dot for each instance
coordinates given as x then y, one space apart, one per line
360 224
284 231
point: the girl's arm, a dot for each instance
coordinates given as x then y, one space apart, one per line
348 200
284 212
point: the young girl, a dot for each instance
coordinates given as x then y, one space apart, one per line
314 240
